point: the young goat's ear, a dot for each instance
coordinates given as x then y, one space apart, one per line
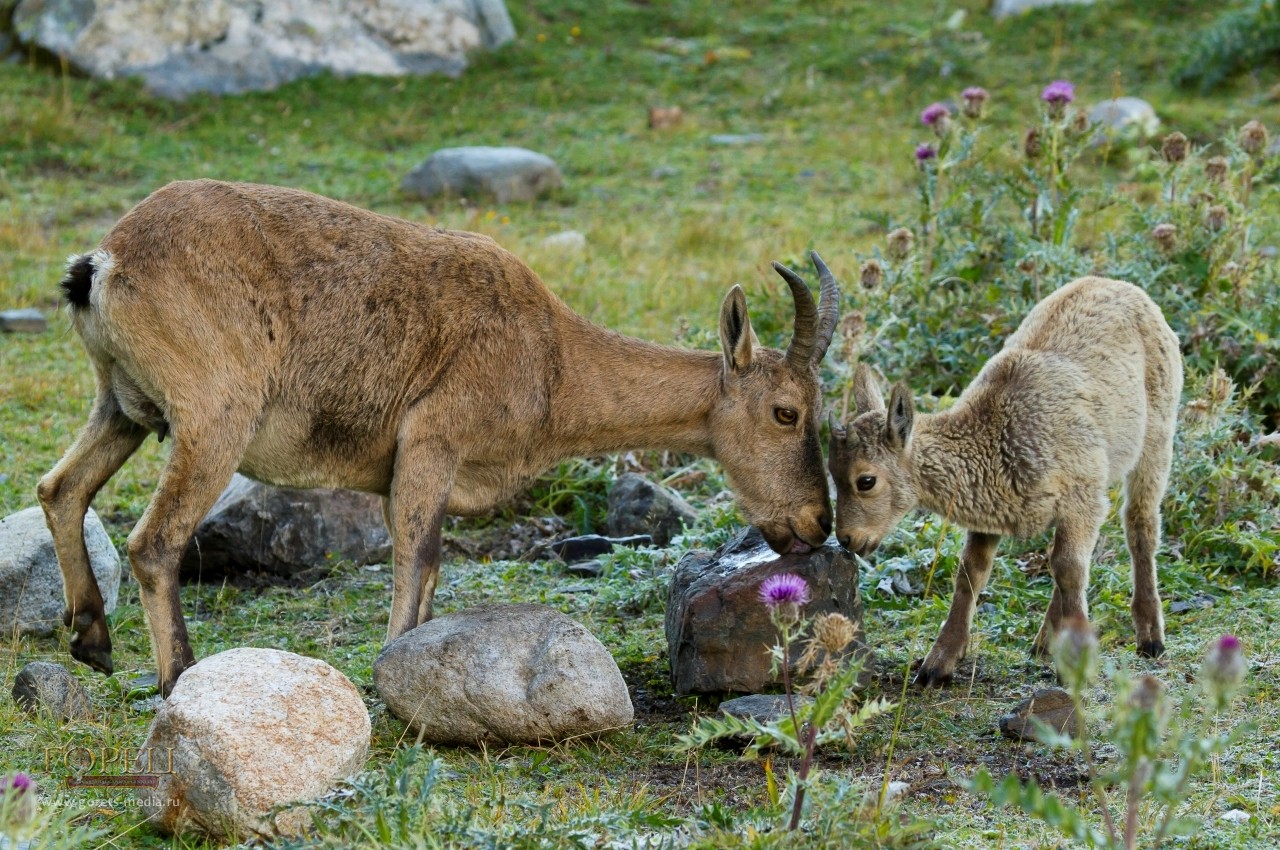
866 390
902 414
737 339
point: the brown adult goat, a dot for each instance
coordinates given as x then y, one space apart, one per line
309 343
1083 395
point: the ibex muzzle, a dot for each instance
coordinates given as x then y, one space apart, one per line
309 343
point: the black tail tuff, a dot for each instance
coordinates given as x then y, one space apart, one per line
78 280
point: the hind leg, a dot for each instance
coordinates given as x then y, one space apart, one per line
65 493
1143 490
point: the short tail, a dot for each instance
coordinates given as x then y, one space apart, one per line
78 280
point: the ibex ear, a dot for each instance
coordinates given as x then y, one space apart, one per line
866 390
736 337
902 415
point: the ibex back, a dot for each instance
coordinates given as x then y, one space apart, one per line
1084 395
309 343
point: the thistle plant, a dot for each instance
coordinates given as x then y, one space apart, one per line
827 717
1157 752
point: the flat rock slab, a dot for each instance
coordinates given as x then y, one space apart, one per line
26 321
764 708
586 546
285 532
1051 706
186 46
508 174
638 506
43 687
31 599
506 673
247 730
718 630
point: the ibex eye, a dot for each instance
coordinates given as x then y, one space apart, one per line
785 416
865 483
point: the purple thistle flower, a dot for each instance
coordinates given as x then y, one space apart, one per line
924 152
784 589
21 783
933 113
975 100
1229 643
1059 91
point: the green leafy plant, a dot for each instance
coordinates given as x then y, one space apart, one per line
1243 37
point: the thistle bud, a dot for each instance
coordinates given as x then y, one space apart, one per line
1075 652
1031 143
18 803
1216 168
1028 265
872 274
1079 123
1174 148
900 242
1056 96
937 116
1165 236
1223 669
1253 138
975 101
1217 217
1148 695
852 327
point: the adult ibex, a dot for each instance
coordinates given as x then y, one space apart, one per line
309 343
1083 395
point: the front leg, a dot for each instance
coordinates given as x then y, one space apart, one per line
1073 541
953 641
423 477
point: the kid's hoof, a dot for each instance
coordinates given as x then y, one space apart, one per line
931 677
97 657
1151 649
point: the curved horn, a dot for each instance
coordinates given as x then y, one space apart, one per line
828 306
800 350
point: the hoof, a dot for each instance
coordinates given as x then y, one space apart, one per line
1150 649
96 656
931 677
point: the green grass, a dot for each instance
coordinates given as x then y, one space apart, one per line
837 88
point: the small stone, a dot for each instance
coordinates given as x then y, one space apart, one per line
718 631
733 139
662 172
576 588
1005 8
43 687
585 569
1235 816
588 546
503 673
638 506
27 321
1199 602
508 174
1125 115
988 609
1051 706
763 708
568 241
31 598
249 730
282 531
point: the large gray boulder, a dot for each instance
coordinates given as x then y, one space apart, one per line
718 630
507 174
1005 8
638 506
247 730
1125 116
31 599
179 47
504 673
284 532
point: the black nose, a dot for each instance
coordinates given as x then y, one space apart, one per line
844 540
824 522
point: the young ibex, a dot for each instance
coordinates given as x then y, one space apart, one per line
309 343
1084 394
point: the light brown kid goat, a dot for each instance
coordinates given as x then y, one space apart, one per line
1083 395
309 343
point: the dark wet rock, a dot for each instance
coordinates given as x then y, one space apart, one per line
588 546
43 687
508 673
585 569
256 527
1199 602
718 631
25 321
1051 706
638 506
508 174
31 599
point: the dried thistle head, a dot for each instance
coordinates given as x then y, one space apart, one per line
1253 138
1079 123
1216 169
1165 236
872 274
1031 143
900 242
1196 411
1217 218
1219 387
852 327
833 632
1028 265
1174 148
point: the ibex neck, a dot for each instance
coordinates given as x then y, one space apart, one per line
942 450
618 393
